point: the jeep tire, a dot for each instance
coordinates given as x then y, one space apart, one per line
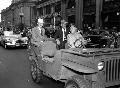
36 73
77 82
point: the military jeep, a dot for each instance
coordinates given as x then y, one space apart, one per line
77 68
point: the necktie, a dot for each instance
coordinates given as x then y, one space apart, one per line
63 30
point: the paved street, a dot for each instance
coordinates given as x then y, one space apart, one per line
15 73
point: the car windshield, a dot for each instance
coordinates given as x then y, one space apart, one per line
13 36
96 41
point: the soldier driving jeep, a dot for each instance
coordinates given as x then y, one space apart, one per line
75 39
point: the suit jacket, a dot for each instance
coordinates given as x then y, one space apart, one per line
59 35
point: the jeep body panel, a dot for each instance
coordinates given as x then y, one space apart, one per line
61 61
77 67
83 62
78 61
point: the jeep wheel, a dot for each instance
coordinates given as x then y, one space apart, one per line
36 73
77 82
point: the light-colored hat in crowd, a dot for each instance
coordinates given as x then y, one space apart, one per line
40 20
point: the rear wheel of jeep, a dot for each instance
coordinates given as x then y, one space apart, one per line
36 73
77 82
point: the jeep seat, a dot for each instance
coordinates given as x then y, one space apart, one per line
48 48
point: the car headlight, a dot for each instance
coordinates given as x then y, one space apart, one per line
100 66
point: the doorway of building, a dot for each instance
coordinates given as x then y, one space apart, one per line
111 19
89 20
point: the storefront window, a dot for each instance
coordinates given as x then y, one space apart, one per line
88 3
110 13
111 5
89 11
58 7
71 4
89 6
40 11
48 9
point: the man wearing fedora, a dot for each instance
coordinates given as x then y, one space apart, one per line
60 35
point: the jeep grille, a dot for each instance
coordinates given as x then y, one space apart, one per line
112 70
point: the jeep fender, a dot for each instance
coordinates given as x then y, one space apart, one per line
78 67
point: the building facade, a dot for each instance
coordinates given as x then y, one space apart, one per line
81 12
111 13
6 16
48 10
97 13
19 12
73 11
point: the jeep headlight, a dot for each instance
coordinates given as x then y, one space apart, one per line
100 66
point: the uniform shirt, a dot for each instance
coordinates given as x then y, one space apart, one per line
71 39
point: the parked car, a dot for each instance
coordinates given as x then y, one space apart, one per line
77 67
8 39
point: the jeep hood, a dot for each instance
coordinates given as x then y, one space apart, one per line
79 67
78 60
83 60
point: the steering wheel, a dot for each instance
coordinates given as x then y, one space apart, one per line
79 44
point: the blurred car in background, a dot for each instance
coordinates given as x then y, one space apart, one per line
98 41
23 40
9 39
